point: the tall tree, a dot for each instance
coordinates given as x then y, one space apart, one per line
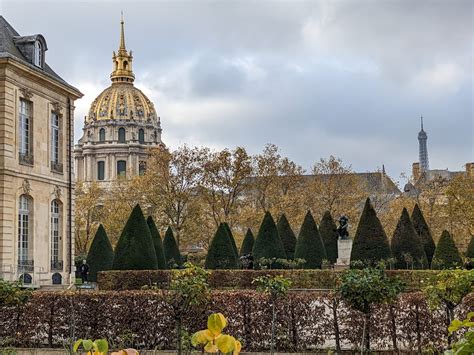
406 245
446 255
135 249
157 242
223 183
221 254
329 235
171 250
370 241
287 236
101 254
247 244
268 243
309 245
423 231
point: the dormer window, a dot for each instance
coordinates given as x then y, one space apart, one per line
38 54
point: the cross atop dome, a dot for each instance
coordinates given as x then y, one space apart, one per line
122 61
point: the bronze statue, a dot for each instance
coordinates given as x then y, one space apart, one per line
342 230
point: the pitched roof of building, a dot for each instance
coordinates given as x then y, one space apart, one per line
8 49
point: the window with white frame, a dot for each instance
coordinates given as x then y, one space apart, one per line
24 221
55 159
25 127
38 55
55 234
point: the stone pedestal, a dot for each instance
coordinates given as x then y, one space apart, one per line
344 248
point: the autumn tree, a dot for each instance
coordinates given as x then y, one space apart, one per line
225 174
334 187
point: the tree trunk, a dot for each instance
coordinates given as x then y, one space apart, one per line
336 325
393 327
363 337
178 331
418 328
367 332
272 345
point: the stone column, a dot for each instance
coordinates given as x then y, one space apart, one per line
344 248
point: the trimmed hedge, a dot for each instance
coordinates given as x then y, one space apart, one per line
157 242
232 239
446 255
144 320
101 254
309 245
247 244
242 279
268 243
329 235
423 231
287 236
170 249
221 254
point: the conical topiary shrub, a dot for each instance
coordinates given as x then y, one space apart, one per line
328 231
101 254
247 244
155 235
221 254
135 249
287 236
268 244
370 241
171 250
406 245
470 249
309 245
446 255
232 239
423 231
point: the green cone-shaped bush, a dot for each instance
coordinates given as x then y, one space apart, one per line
232 239
470 249
268 244
247 244
370 241
309 245
221 254
171 250
287 236
423 231
328 231
101 254
406 245
155 235
446 254
135 249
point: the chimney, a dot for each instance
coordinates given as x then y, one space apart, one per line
415 171
470 169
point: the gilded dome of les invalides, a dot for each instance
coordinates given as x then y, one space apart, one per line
121 100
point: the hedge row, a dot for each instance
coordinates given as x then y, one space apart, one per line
242 279
144 320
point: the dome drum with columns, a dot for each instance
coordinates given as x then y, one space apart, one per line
120 128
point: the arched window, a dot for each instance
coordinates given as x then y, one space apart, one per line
141 136
24 233
125 65
121 135
56 263
100 170
121 168
141 168
38 55
102 135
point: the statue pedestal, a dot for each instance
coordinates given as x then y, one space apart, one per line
344 248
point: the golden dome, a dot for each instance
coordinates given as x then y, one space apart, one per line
121 100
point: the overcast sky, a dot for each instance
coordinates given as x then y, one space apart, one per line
348 78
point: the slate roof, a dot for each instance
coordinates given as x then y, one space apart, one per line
8 49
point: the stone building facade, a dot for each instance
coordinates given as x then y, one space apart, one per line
120 128
36 164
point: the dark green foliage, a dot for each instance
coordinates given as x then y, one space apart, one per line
247 244
446 254
268 243
232 239
135 250
328 231
287 236
309 245
406 245
423 231
221 253
170 248
101 254
370 241
470 249
157 242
